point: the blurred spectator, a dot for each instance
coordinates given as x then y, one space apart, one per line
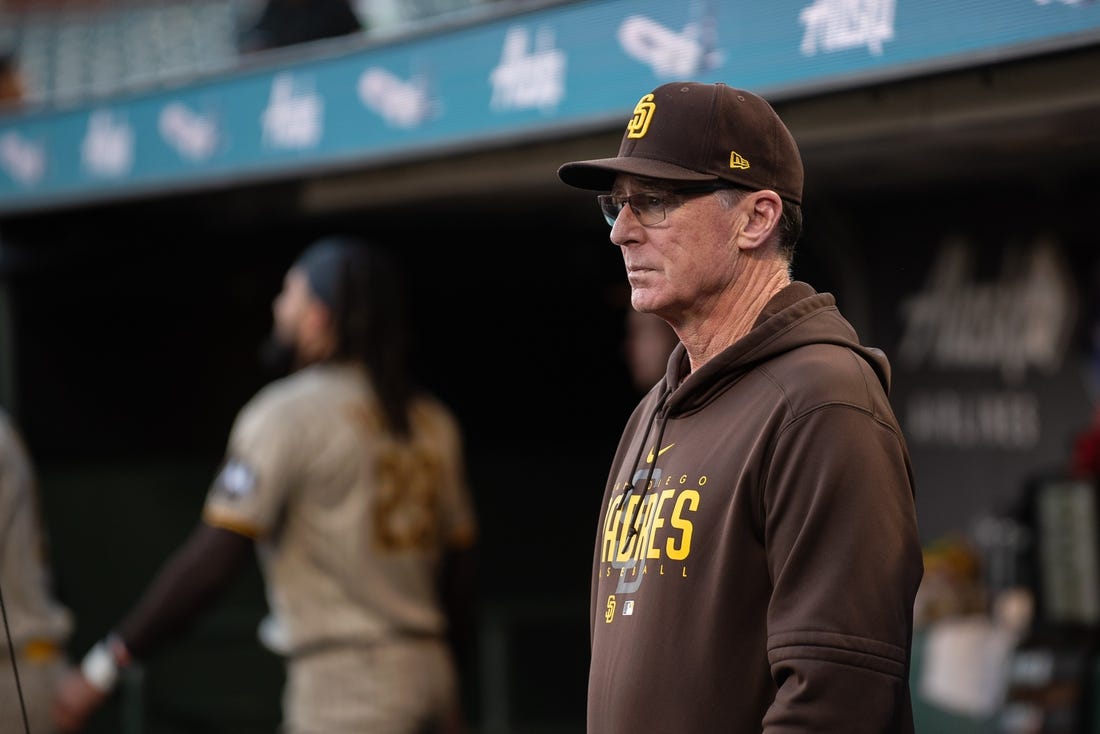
39 626
966 633
288 22
952 583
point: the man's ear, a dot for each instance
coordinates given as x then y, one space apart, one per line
764 212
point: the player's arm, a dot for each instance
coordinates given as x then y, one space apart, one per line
185 587
845 562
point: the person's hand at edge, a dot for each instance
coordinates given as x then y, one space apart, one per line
85 688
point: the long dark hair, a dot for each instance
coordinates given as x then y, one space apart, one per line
364 288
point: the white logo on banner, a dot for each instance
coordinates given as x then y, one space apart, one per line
193 136
528 78
24 160
108 146
1024 319
293 116
669 53
841 24
401 104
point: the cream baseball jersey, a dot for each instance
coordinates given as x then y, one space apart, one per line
33 612
350 523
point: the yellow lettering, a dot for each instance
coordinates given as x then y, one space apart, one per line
610 522
645 534
684 572
658 522
625 547
703 481
683 478
662 569
688 501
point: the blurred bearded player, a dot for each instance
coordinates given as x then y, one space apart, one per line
350 483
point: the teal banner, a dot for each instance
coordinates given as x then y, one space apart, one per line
560 67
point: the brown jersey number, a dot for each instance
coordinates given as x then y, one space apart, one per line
406 507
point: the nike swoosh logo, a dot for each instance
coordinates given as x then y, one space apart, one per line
649 459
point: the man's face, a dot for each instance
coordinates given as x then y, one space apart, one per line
290 309
677 267
302 332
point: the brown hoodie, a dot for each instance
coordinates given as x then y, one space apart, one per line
770 584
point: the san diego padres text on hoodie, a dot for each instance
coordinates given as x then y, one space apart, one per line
769 584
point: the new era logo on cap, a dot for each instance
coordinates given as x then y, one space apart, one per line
696 132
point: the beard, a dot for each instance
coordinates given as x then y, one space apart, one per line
277 357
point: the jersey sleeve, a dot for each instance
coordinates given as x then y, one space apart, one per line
256 477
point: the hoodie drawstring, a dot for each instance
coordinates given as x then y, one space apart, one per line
665 392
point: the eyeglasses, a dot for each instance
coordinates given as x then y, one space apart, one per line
651 207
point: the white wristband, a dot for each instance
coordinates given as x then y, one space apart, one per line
99 668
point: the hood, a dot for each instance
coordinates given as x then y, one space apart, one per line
795 317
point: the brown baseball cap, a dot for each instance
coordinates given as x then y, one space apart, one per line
691 131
